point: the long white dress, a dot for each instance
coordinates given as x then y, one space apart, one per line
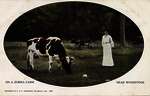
107 44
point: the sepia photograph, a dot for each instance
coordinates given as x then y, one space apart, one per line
73 44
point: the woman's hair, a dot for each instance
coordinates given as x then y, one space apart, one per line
105 32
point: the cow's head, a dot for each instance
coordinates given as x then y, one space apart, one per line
70 59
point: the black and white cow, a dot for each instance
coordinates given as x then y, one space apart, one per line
51 47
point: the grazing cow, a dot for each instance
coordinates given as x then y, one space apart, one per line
50 47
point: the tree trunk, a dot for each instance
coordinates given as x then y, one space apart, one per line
122 31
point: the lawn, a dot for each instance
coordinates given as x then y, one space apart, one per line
87 61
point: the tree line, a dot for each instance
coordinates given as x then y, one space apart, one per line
74 20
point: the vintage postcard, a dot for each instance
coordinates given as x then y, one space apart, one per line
74 48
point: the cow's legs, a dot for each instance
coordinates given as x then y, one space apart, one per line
50 63
30 59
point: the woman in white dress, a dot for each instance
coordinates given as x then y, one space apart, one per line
107 44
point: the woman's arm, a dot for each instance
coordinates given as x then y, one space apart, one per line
111 41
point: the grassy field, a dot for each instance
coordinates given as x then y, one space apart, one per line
87 61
